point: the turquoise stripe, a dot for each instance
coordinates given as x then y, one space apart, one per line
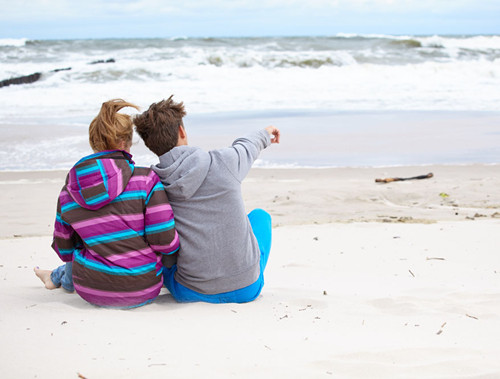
81 171
114 270
66 251
104 174
161 227
95 155
172 252
68 207
111 237
157 187
60 220
130 195
97 198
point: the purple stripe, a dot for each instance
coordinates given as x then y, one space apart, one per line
161 208
138 182
62 234
118 299
127 260
164 207
65 197
112 172
119 182
112 218
167 248
157 219
134 258
153 176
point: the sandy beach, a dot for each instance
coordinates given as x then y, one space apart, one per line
365 280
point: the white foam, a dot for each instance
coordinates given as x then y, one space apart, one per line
13 41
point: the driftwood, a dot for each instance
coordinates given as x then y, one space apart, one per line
27 79
389 180
21 80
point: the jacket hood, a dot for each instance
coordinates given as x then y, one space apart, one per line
96 180
182 171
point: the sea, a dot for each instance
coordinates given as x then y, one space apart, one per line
342 100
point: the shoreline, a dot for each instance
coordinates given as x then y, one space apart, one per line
300 196
314 138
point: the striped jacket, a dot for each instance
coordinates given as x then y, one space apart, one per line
114 222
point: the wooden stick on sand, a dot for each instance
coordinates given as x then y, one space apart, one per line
389 180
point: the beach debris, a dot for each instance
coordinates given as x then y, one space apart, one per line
110 60
397 179
21 79
434 259
80 376
64 323
474 317
441 329
444 195
316 238
411 272
325 293
495 215
31 78
307 307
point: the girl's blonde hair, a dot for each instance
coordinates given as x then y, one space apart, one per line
109 128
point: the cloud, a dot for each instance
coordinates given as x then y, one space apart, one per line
127 18
98 8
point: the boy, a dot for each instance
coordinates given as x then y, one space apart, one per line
223 252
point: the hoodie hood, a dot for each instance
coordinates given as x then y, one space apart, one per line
182 170
98 179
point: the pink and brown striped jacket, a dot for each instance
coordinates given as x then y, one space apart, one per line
114 222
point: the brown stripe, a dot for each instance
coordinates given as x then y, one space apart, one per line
119 208
163 238
119 247
158 197
121 283
141 171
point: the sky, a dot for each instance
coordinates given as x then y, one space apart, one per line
68 19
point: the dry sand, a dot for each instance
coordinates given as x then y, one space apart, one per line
365 280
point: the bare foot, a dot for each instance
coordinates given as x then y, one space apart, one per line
44 276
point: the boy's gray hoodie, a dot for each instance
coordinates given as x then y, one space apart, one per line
219 252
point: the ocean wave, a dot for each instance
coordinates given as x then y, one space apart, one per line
277 61
409 43
16 42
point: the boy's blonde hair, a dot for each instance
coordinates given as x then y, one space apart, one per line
109 128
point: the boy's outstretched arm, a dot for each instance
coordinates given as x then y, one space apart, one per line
240 157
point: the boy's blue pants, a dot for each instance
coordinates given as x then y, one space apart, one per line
261 224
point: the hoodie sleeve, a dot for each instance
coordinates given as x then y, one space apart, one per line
159 221
65 239
240 157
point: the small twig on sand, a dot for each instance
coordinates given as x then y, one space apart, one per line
441 329
412 274
474 317
434 259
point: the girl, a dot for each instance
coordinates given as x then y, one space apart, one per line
113 221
